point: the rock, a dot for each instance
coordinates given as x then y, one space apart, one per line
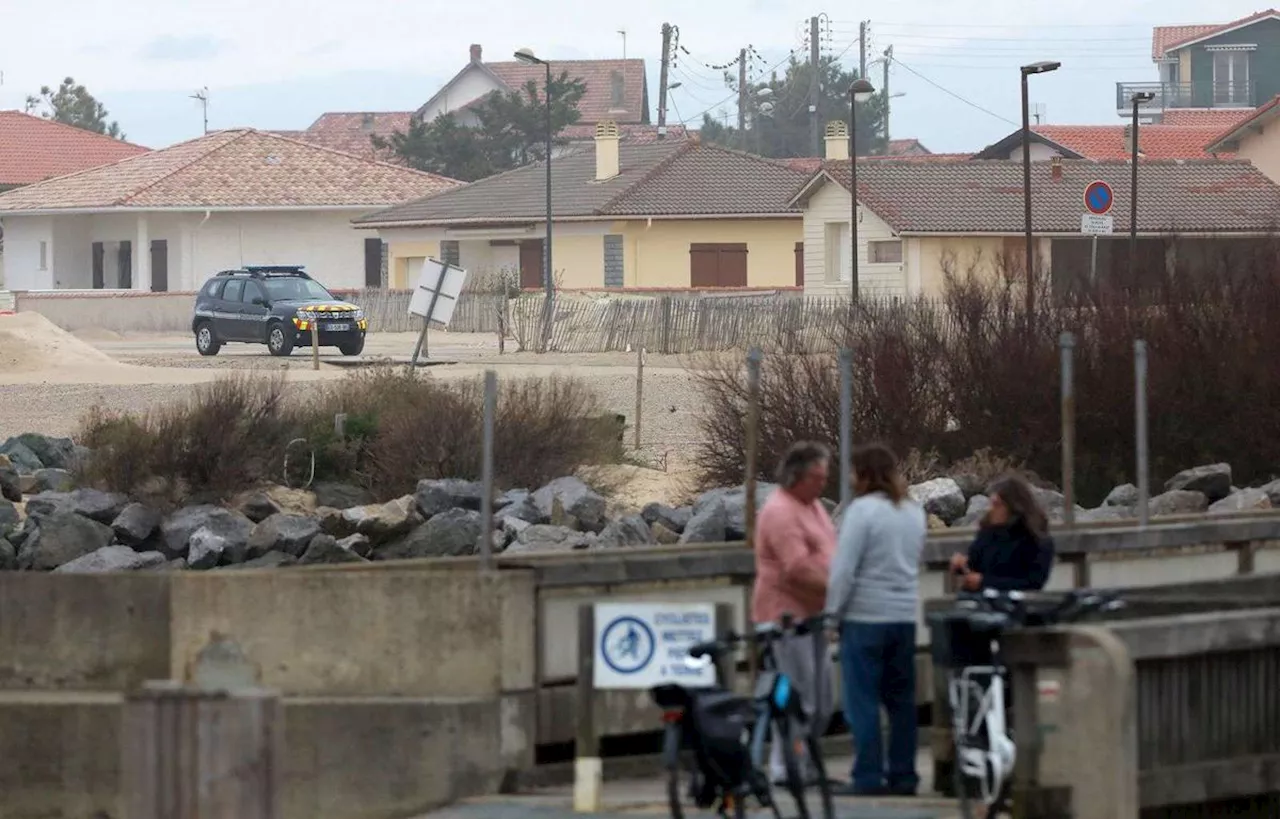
271 560
8 556
292 501
664 535
1178 502
383 522
1126 495
342 495
53 480
978 507
1104 514
330 520
325 549
113 559
1273 492
510 498
942 497
1212 481
1246 500
178 530
436 496
61 538
103 507
356 544
970 484
255 505
178 564
734 501
9 517
577 499
936 522
290 534
511 527
673 519
221 541
626 531
54 453
521 508
10 481
708 524
547 538
1054 504
135 524
452 533
21 457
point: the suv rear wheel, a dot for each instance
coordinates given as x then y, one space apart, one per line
207 342
279 339
353 347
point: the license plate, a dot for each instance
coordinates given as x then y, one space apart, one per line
337 328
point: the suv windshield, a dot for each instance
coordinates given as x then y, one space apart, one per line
291 289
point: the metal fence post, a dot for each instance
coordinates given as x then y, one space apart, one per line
754 356
588 775
1068 343
1140 430
486 470
846 427
639 392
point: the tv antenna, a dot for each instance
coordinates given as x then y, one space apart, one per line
202 96
1038 112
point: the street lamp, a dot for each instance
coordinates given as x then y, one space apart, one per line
1043 67
859 92
1138 98
526 56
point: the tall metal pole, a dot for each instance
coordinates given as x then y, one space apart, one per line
846 427
1140 429
1026 196
486 470
853 196
662 80
1068 343
1133 200
815 63
742 99
884 92
547 272
754 357
862 49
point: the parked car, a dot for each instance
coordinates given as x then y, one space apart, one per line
279 306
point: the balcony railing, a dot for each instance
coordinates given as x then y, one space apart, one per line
1187 95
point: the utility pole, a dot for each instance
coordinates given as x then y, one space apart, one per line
742 99
862 50
202 96
815 60
884 89
662 80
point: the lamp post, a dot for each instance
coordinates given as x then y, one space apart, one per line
1138 99
1043 67
526 56
859 92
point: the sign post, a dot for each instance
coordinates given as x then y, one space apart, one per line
1096 220
435 298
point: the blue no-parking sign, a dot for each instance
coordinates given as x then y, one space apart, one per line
1098 198
640 645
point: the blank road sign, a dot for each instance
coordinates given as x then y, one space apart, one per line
1098 198
437 277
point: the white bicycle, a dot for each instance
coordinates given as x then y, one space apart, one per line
978 685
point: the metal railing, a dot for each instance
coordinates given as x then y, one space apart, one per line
1241 94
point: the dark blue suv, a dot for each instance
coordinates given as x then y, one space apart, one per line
279 306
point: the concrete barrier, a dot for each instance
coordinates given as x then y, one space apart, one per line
118 311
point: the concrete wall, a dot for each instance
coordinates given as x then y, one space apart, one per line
1262 148
102 309
826 230
657 255
23 236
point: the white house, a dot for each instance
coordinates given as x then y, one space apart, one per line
167 220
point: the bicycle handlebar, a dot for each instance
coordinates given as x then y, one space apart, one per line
1014 604
764 634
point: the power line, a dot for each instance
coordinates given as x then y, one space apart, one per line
951 93
734 95
1005 26
1026 41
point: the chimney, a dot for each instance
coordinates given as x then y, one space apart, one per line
475 53
837 140
1055 168
607 139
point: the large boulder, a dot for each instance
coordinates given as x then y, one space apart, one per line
1105 514
256 505
548 538
327 550
8 556
55 453
581 502
631 530
341 495
102 507
10 481
518 506
221 541
113 559
1178 502
53 480
1054 504
61 538
1273 492
452 533
709 524
382 522
941 497
1213 481
21 457
225 530
1246 500
734 501
135 524
436 496
673 519
979 506
511 496
271 560
290 534
1124 495
663 535
9 517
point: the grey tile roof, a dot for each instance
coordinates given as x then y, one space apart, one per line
669 178
985 196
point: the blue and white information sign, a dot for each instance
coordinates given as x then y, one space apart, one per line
640 645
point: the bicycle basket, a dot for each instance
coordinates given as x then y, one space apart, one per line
964 638
720 720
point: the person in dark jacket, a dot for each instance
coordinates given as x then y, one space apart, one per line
1013 550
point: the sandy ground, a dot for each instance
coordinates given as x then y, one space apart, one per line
49 379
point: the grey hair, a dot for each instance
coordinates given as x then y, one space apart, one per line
799 458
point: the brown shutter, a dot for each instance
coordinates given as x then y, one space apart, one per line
799 264
373 262
159 265
704 265
531 264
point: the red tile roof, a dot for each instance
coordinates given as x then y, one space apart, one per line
1111 142
634 132
1205 117
1178 36
906 147
34 148
596 104
1231 135
351 131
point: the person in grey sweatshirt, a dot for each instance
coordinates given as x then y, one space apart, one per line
874 594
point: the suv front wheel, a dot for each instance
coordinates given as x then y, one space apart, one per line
353 346
206 342
279 339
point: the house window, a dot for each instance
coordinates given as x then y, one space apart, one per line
450 253
884 252
613 261
44 255
1231 78
835 235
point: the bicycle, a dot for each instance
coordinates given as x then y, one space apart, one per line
717 737
978 680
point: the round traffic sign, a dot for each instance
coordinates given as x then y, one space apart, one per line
627 645
1098 197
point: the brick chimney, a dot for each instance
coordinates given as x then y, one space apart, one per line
837 140
1055 168
607 161
476 52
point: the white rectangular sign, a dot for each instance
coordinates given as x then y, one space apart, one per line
437 276
640 645
1094 225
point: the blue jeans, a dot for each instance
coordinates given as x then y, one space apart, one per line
878 667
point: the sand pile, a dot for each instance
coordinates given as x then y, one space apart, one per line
30 343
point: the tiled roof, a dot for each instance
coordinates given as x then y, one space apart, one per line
1205 117
669 178
231 169
987 196
906 147
1112 142
34 148
596 104
1256 119
1179 36
351 131
931 158
633 132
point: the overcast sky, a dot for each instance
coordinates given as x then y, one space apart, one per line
281 63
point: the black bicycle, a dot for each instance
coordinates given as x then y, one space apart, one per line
978 684
717 738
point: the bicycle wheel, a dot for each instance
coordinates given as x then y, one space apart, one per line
969 794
